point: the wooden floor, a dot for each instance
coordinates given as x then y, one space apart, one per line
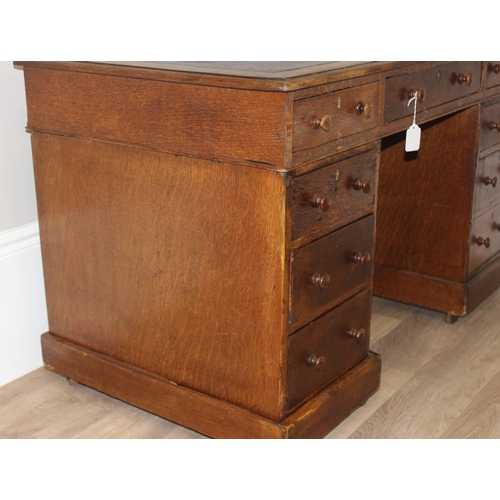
438 381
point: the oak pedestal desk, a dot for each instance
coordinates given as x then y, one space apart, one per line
208 229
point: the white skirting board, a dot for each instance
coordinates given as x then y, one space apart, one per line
23 312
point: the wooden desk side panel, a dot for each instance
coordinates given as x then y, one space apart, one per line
425 199
171 264
197 120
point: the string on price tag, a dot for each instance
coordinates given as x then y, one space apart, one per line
413 133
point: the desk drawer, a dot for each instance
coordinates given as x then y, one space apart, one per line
487 182
329 117
492 74
489 133
333 196
436 86
485 238
326 270
327 348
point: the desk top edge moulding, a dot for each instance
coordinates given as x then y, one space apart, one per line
212 232
253 75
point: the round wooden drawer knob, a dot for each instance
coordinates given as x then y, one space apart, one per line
324 123
358 335
318 363
365 185
494 126
361 259
421 94
468 79
487 181
322 202
496 68
483 241
321 281
365 109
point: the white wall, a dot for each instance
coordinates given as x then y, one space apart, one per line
17 187
23 316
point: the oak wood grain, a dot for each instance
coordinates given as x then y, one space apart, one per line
485 227
135 270
492 78
166 256
178 310
439 85
488 137
487 194
423 219
336 184
160 396
424 291
327 338
341 109
483 283
336 77
332 255
180 118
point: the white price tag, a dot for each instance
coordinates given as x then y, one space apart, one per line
413 133
412 138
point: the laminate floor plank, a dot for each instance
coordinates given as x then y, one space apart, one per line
391 380
391 308
19 398
415 341
124 421
386 315
481 419
380 326
178 432
56 417
44 405
431 401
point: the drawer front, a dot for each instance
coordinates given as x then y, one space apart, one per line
326 270
329 117
333 196
485 238
435 86
327 348
489 133
487 182
492 74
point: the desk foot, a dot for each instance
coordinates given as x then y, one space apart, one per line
450 318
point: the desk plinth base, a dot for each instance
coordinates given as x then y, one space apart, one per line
203 413
452 298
